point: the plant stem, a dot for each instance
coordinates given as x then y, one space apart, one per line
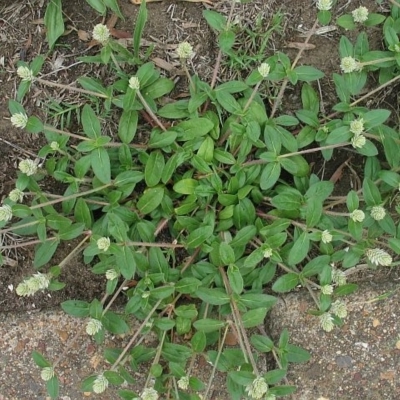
150 111
143 324
220 347
70 197
73 89
307 151
12 228
29 243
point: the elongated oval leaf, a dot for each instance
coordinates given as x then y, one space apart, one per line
150 200
100 161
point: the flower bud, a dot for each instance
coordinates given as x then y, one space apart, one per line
184 50
19 120
101 33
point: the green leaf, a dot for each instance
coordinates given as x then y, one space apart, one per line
226 253
150 199
235 279
44 252
274 376
114 323
244 236
288 200
159 88
113 5
371 193
308 117
226 40
98 5
186 186
76 308
297 354
308 74
254 317
374 19
90 122
100 161
199 340
126 261
228 102
224 157
39 360
92 84
199 236
262 343
215 20
215 297
193 128
53 387
54 22
154 168
299 250
313 211
309 99
315 266
34 125
270 175
162 140
187 285
375 118
176 110
255 300
346 21
127 126
176 352
286 283
139 27
208 325
344 290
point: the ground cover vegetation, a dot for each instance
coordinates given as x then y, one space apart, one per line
214 211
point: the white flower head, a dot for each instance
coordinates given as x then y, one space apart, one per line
28 167
100 384
326 322
47 373
379 257
149 394
5 213
93 326
103 243
357 215
33 284
327 289
349 64
183 383
338 277
378 213
19 120
184 50
134 83
324 5
101 33
258 388
264 69
25 73
358 141
16 195
339 309
360 14
357 126
326 236
112 274
267 253
54 146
